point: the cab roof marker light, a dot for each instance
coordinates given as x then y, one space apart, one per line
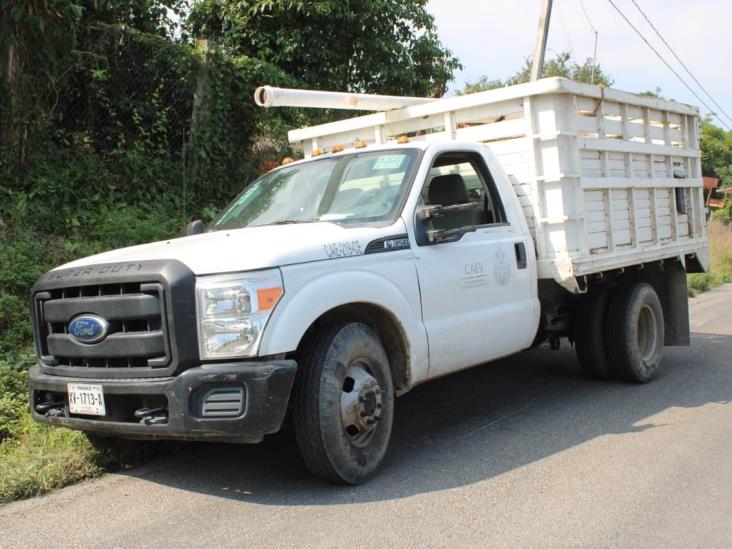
287 160
317 152
359 144
402 139
337 149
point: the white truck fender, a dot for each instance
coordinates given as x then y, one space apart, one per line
308 295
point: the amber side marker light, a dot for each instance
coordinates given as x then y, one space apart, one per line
267 298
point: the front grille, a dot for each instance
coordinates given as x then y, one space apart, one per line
137 336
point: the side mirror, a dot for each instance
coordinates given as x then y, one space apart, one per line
194 227
423 225
427 234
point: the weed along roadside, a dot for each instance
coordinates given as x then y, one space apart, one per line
720 251
35 459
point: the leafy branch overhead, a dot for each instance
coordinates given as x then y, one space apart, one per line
378 47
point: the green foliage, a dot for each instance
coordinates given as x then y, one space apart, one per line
374 47
230 125
716 152
702 282
13 393
40 458
26 253
720 253
561 65
724 214
655 93
35 458
22 261
483 83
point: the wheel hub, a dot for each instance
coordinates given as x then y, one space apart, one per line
647 333
361 404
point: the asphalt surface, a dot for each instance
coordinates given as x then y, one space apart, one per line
523 452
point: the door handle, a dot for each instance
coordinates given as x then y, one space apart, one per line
520 250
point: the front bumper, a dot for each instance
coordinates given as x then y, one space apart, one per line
265 388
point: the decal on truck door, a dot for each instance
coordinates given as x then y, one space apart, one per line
501 268
475 273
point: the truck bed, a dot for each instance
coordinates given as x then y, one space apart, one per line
606 179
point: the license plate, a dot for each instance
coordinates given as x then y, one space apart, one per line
86 399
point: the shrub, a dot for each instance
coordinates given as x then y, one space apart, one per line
720 259
13 394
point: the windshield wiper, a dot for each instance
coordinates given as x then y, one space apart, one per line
294 221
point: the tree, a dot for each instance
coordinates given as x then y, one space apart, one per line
716 152
656 93
561 65
33 34
380 46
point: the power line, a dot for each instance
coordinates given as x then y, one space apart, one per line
680 61
582 4
594 51
668 65
564 26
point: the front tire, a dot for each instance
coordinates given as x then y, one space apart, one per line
343 403
636 333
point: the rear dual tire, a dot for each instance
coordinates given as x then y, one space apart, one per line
636 333
591 326
619 332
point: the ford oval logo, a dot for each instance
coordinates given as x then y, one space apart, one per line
88 328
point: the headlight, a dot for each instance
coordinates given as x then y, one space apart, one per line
233 311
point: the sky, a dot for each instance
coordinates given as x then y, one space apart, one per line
493 37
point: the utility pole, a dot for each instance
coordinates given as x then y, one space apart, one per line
537 61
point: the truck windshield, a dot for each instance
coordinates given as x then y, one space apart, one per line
359 188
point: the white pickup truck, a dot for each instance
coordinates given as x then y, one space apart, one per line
408 244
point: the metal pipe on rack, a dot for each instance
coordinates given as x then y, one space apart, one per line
269 96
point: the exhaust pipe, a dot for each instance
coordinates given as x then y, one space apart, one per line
269 96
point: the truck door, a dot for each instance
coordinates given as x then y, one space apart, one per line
478 294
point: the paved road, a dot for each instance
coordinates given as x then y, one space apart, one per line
523 452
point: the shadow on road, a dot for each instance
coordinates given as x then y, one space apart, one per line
467 427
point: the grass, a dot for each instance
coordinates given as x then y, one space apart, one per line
38 459
720 251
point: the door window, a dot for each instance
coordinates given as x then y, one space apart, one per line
461 179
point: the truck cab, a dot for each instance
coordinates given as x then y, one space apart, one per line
333 284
